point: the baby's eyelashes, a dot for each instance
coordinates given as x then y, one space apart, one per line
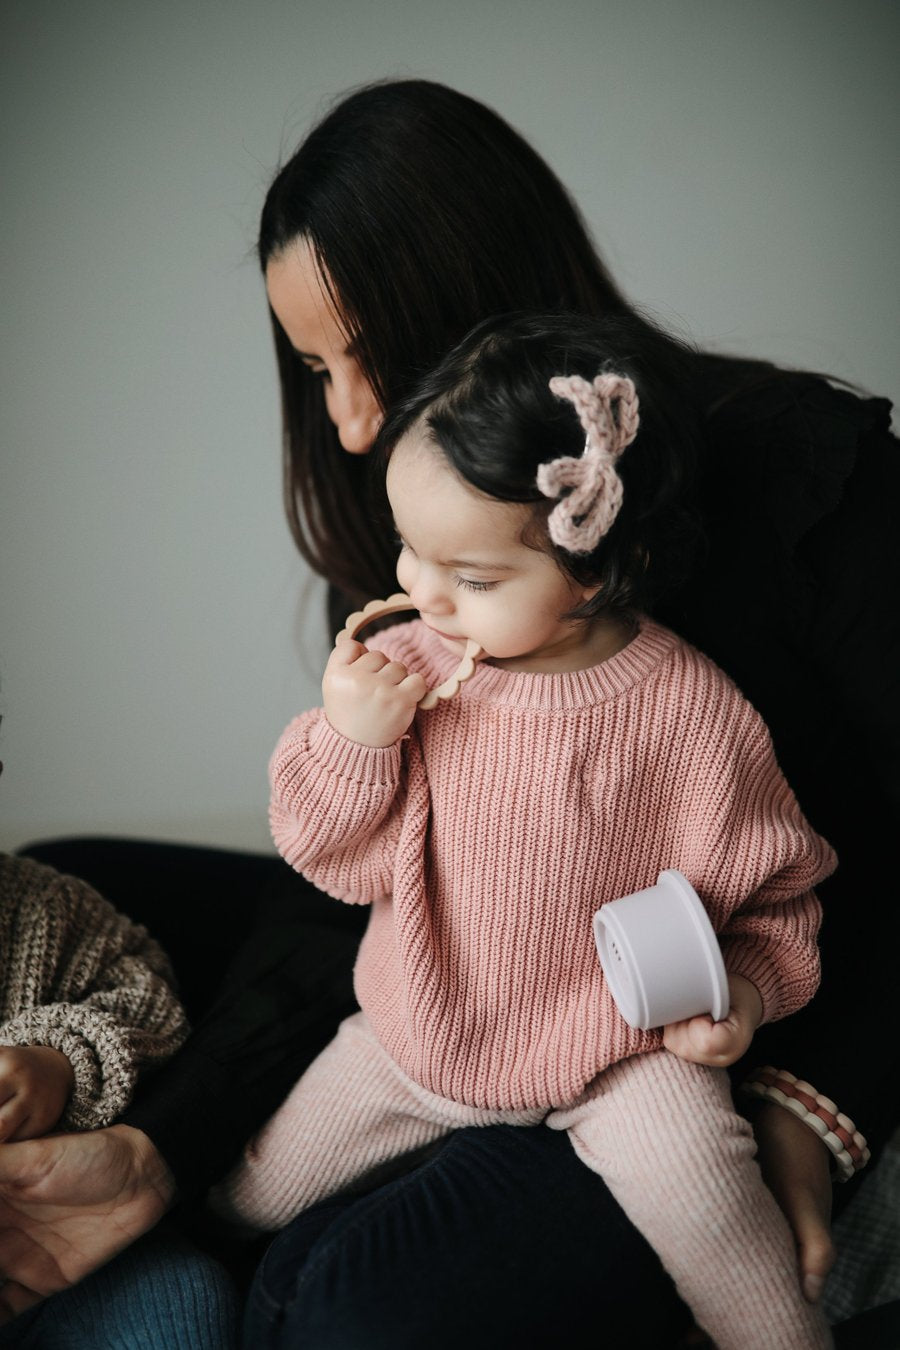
470 584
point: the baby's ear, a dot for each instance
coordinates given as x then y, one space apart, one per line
588 592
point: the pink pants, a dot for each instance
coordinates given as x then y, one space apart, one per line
662 1133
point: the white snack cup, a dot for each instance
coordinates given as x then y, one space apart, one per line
660 955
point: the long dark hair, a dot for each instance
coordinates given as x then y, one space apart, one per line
489 410
427 213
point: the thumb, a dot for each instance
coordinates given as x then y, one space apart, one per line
345 651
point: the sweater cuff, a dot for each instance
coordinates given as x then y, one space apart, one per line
95 1046
759 968
369 765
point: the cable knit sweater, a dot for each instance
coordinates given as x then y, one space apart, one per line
77 976
485 840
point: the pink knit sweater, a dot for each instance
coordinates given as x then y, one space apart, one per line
485 840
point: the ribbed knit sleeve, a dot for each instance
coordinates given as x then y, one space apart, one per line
335 808
748 849
82 979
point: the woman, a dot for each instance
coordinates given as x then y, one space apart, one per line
410 213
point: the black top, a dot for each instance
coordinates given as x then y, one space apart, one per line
800 486
792 596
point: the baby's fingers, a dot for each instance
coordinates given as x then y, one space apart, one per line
677 1039
720 1042
703 1041
414 685
345 651
351 667
13 1115
392 672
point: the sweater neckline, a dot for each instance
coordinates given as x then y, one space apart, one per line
643 655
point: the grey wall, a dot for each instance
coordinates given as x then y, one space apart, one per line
737 162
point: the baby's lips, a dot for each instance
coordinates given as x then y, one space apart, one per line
379 609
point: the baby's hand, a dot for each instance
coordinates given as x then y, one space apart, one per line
703 1041
35 1083
368 698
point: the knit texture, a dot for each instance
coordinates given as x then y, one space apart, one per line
662 1133
352 1111
77 976
485 840
665 1137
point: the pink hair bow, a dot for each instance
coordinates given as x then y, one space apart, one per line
585 514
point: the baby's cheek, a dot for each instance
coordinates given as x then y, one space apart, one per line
404 572
501 638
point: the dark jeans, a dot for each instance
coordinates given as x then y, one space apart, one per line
501 1238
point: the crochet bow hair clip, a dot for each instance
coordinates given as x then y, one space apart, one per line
607 409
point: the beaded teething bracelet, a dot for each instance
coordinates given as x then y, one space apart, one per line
837 1131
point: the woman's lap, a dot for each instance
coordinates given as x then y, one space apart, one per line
502 1237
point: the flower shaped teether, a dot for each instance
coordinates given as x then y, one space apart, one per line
378 609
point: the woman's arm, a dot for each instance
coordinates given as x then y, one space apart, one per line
281 1001
798 493
850 791
795 1167
793 601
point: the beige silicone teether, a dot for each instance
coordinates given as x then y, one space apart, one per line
379 609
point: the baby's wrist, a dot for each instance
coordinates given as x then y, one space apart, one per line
367 738
836 1131
746 1000
331 752
57 1066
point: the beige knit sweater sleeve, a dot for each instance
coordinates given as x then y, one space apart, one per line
81 978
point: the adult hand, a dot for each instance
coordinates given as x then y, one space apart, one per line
796 1167
368 698
71 1202
35 1083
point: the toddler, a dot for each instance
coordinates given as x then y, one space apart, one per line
591 749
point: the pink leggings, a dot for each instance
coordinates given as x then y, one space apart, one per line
662 1133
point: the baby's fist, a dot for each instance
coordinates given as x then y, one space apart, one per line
703 1041
35 1083
368 698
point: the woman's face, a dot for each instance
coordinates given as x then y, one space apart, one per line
302 306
